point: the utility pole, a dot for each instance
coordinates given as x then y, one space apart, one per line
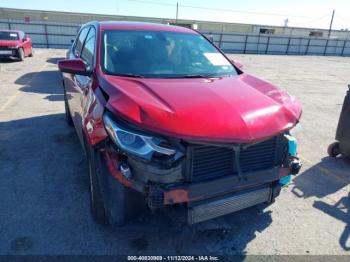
285 25
177 11
331 24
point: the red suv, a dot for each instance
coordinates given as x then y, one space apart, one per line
14 43
166 119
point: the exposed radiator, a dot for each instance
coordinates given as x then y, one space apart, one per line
211 161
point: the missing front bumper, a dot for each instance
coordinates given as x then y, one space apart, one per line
203 211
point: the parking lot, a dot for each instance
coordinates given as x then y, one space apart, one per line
44 188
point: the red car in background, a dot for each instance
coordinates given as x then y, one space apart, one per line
167 119
14 43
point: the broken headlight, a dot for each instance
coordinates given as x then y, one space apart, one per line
142 145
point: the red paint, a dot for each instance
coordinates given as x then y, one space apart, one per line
24 42
229 109
73 66
176 196
92 116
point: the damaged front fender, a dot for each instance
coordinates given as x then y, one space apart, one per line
93 104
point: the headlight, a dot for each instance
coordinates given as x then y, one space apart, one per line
138 144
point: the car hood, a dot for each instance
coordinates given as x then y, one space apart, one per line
9 43
238 109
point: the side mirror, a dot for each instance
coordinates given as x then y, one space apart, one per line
237 63
74 66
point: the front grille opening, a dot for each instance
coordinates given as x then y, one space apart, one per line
211 162
258 157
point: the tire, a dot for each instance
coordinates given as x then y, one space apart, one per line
334 149
31 53
20 54
111 203
66 108
96 200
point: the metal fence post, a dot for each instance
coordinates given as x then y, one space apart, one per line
287 51
342 51
325 48
267 44
336 47
9 25
46 36
245 44
307 47
220 39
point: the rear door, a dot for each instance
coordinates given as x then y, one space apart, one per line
71 83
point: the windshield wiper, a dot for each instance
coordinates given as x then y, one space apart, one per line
189 76
129 75
195 76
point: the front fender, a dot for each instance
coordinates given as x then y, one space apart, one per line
93 104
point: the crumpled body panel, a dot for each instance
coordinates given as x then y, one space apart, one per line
239 109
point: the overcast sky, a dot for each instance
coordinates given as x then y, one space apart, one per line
301 13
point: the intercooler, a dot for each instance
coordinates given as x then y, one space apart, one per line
229 204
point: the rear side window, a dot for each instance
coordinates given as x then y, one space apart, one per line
80 41
88 52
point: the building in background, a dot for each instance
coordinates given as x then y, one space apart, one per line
57 29
30 16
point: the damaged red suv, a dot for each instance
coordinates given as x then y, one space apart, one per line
166 119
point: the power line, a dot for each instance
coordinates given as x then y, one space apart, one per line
152 2
218 9
342 18
313 20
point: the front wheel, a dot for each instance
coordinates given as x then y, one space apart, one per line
111 202
96 199
66 108
20 54
31 53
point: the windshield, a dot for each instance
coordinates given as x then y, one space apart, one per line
162 55
8 36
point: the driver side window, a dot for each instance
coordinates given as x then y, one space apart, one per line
80 41
88 52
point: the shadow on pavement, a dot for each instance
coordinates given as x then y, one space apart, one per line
340 211
7 60
42 83
54 60
322 179
325 178
45 207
